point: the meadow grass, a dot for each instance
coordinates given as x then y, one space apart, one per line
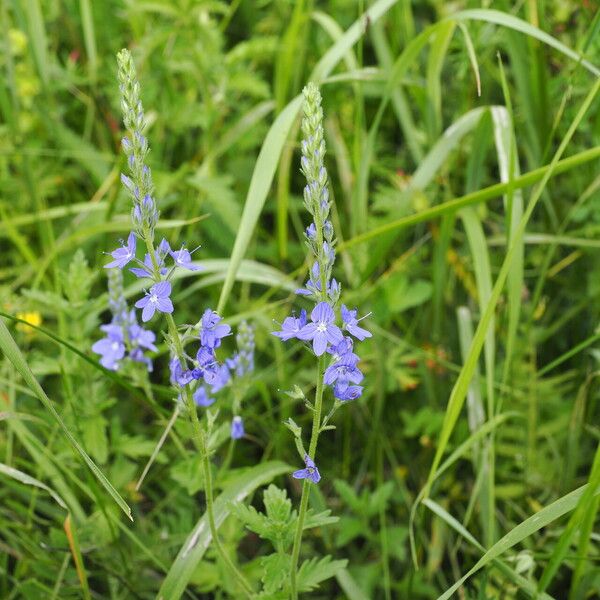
462 147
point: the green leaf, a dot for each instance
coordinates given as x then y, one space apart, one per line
313 571
522 531
199 539
12 352
95 438
188 473
349 586
276 571
270 152
28 480
459 391
507 20
402 294
277 505
321 519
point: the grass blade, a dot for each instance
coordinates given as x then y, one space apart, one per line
12 352
459 391
522 531
28 480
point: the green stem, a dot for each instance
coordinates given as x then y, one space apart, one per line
314 438
199 438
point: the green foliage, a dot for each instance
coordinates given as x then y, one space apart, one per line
472 457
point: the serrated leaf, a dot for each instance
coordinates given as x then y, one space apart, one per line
199 539
276 570
188 473
277 505
313 571
251 518
350 528
78 278
321 519
12 352
348 495
379 498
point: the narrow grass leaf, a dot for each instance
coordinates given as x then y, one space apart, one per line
28 480
12 352
522 531
458 393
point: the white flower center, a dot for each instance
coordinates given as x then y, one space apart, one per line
154 298
322 327
115 346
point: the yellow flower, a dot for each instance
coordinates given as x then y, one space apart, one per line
33 318
17 41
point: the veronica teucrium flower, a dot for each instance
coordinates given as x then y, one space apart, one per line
291 326
123 255
211 330
345 392
351 324
310 472
157 299
237 428
322 330
111 348
183 258
201 397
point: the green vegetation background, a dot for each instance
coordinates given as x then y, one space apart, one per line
408 134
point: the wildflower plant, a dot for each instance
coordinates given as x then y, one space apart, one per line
194 377
329 330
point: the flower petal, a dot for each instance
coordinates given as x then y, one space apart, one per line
300 474
322 312
164 305
307 332
320 342
148 311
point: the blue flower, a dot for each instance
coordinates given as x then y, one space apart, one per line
157 299
111 348
217 377
205 357
137 355
147 272
142 337
291 326
343 371
211 332
343 349
310 472
322 330
201 397
346 392
160 253
237 428
123 255
351 324
183 258
179 375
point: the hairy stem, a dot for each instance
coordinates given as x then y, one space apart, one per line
314 438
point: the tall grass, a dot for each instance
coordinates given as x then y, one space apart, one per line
463 146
